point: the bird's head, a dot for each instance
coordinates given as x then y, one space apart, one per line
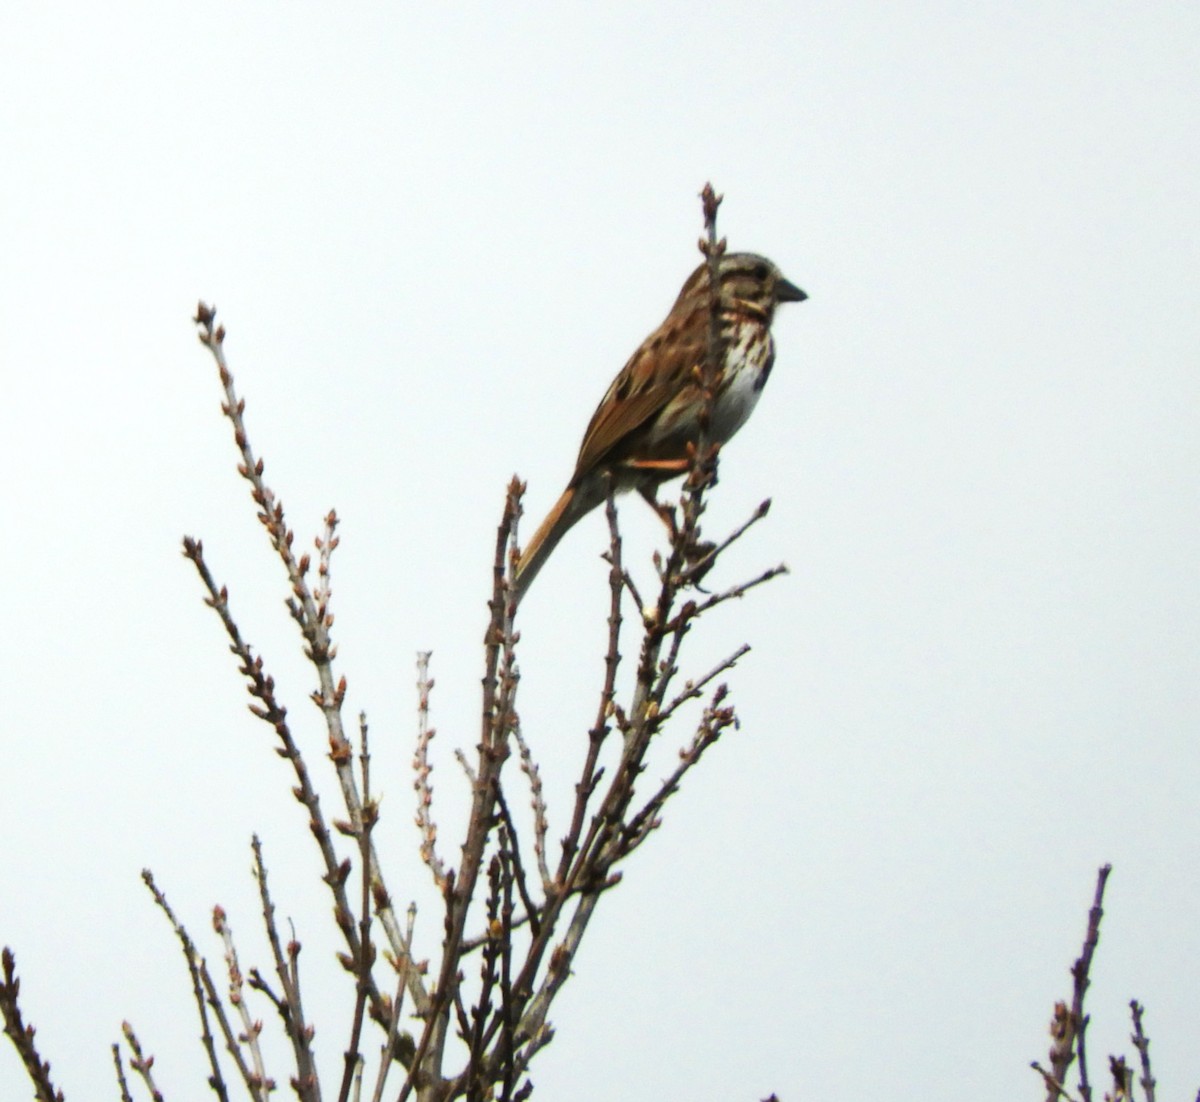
748 282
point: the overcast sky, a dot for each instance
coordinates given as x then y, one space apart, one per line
434 234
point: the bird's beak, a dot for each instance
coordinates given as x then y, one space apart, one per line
788 292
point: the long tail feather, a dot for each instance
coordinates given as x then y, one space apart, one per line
569 508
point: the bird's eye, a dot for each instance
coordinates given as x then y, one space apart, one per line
760 272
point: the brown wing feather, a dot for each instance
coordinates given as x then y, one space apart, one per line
654 377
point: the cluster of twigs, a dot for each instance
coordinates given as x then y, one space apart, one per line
1068 1031
514 909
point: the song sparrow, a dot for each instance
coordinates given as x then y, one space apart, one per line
638 437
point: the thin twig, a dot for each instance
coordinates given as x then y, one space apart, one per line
468 771
1054 1088
1122 1077
1068 1026
517 866
474 1034
258 1082
714 721
369 816
141 1064
196 966
713 249
734 591
210 997
290 1006
1142 1043
538 802
700 567
589 778
509 851
388 1052
422 768
21 1034
119 1067
1079 972
693 689
471 944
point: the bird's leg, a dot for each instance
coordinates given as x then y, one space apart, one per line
696 554
666 513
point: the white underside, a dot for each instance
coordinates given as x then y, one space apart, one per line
740 395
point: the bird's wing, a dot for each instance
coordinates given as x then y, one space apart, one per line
656 376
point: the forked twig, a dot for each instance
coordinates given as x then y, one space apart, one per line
714 721
197 970
734 591
700 567
261 687
140 1063
290 1006
310 609
1068 1025
389 1051
693 689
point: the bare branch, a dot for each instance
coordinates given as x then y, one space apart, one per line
22 1035
119 1067
390 1049
258 1083
310 609
261 687
513 866
290 1007
699 568
538 803
1142 1043
732 592
693 689
714 721
202 981
590 777
497 720
1054 1088
1068 1026
1079 972
141 1064
369 816
195 966
422 768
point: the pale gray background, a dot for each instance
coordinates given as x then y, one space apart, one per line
435 234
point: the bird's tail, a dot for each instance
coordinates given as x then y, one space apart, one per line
569 508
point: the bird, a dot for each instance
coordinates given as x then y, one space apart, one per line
640 434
